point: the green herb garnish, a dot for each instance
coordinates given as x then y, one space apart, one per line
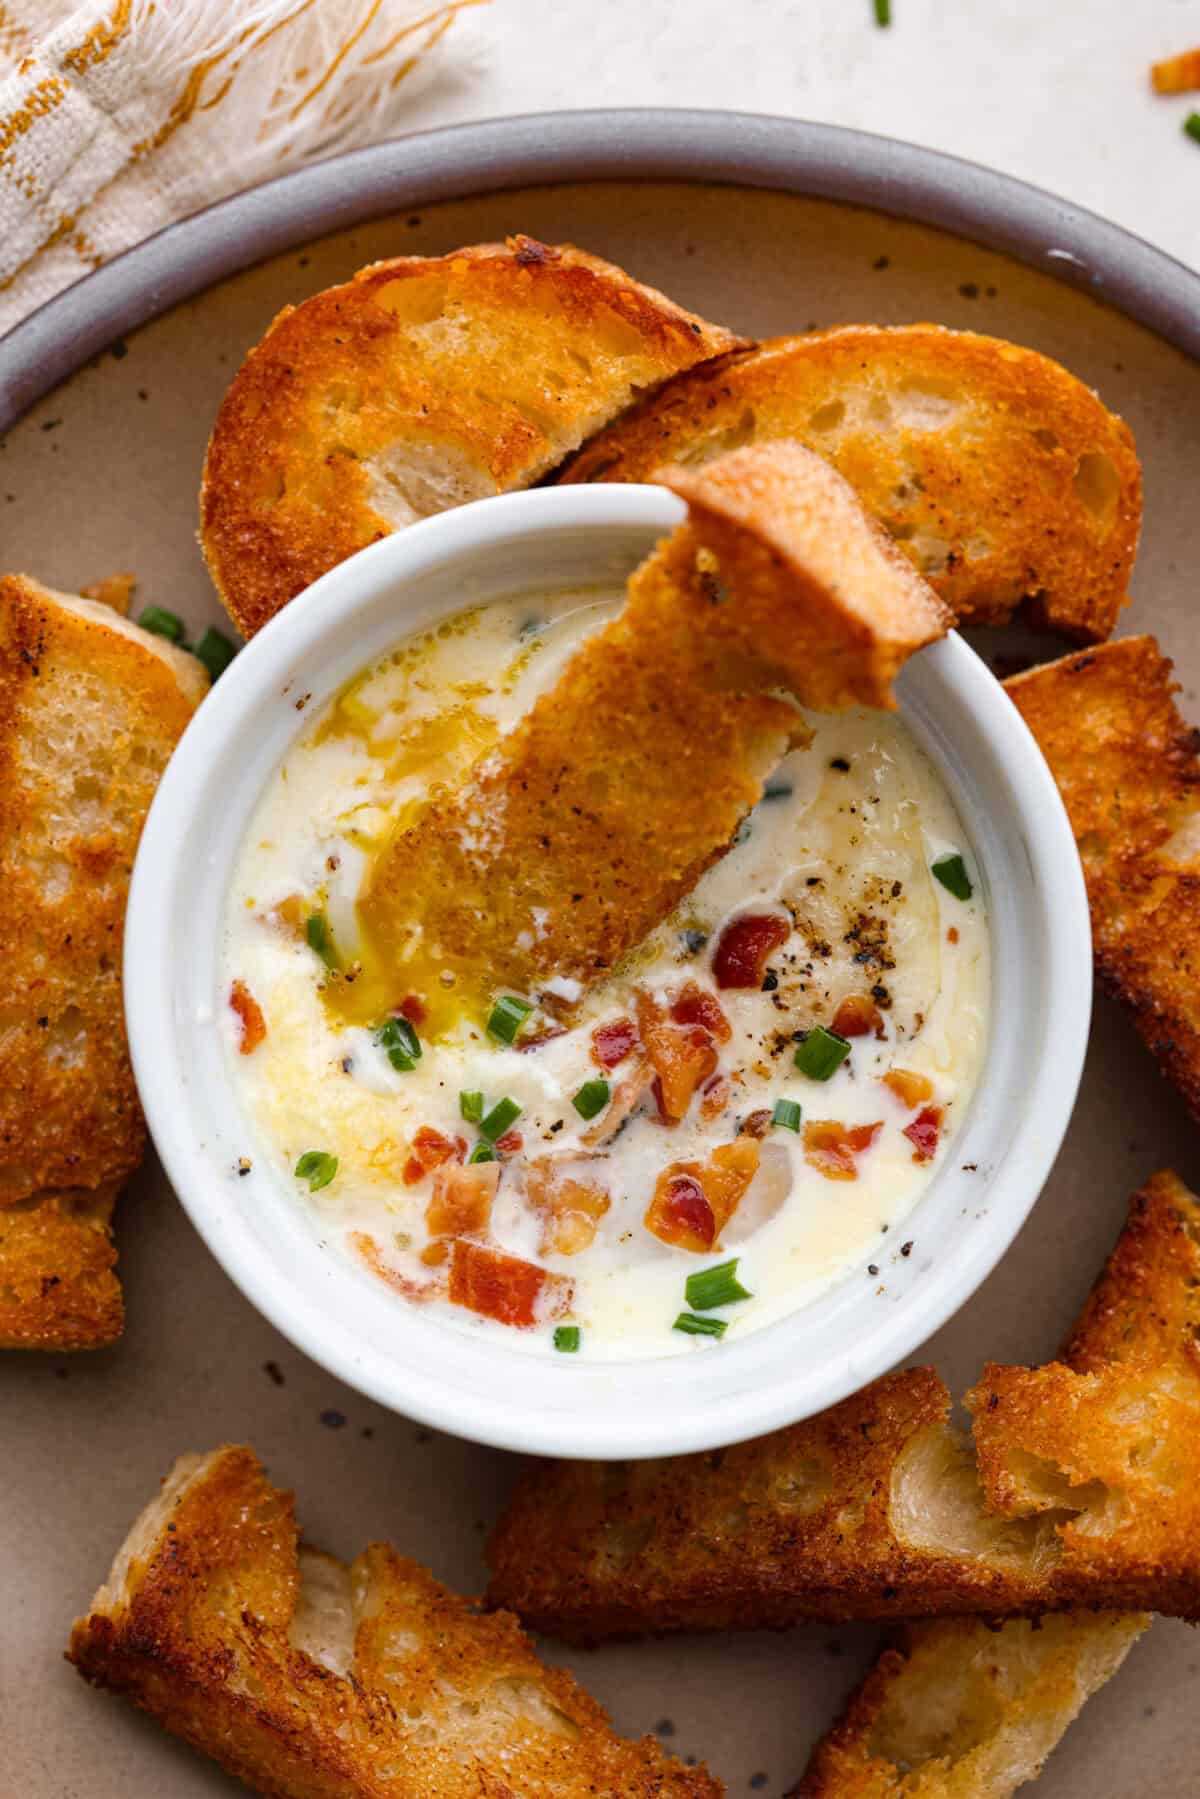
505 1112
317 1167
319 940
1192 125
400 1042
471 1106
821 1054
566 1338
712 1287
787 1114
883 12
691 1326
592 1097
951 871
162 623
506 1018
482 1152
215 651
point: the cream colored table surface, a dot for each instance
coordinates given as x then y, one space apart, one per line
103 476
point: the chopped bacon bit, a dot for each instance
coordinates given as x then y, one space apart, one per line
292 913
627 1097
412 1007
912 1090
1177 74
435 1253
923 1133
612 1042
505 1288
461 1202
368 1249
428 1150
756 1124
857 1016
694 1201
952 934
831 1148
510 1143
254 1025
682 1056
570 1206
534 1039
715 1097
695 1005
745 943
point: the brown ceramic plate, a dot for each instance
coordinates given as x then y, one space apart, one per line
771 226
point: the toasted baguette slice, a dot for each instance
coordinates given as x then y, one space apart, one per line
312 1679
420 384
90 709
567 844
876 1509
957 1709
961 1709
1128 769
1004 478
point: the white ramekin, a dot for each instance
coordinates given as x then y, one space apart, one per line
416 1363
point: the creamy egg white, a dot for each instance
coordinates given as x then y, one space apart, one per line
578 1222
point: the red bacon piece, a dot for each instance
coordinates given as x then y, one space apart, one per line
911 1089
923 1133
715 1097
857 1016
570 1206
369 1250
744 946
461 1202
833 1149
694 1004
505 1288
249 1012
682 1056
612 1042
694 1201
412 1007
428 1150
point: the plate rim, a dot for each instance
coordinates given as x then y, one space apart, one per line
1060 239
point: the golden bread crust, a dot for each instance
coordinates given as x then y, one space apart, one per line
58 1285
421 383
1003 477
567 845
309 1679
1128 769
877 1509
90 709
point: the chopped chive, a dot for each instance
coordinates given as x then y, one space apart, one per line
162 623
505 1112
712 1287
506 1018
319 940
592 1097
215 651
691 1326
778 790
951 871
1192 125
482 1152
316 1167
787 1114
821 1054
883 12
397 1038
566 1338
471 1106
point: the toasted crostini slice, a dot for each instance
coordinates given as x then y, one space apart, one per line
879 1508
1128 769
420 384
91 707
1007 481
311 1678
597 813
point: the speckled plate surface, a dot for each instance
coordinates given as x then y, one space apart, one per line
101 473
